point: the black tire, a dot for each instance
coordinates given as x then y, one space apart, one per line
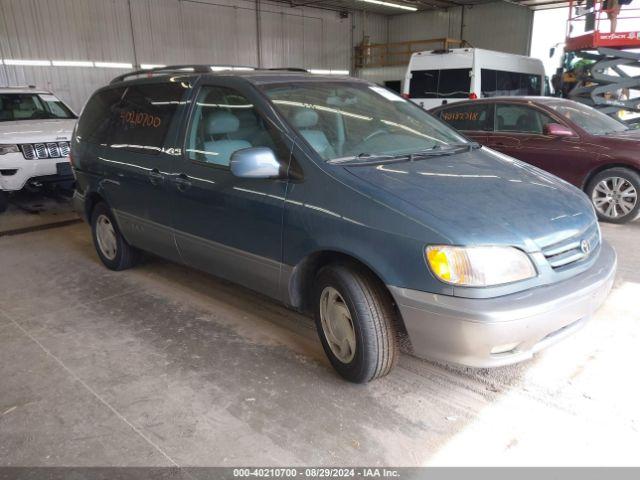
632 178
4 201
372 314
125 256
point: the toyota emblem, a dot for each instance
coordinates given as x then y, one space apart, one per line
585 247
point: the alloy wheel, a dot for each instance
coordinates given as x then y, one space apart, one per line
614 197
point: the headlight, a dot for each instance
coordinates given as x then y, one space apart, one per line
4 149
479 266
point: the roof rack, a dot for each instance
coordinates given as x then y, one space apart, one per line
198 68
285 69
194 68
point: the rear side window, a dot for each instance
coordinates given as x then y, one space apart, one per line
98 115
136 117
469 116
496 83
520 119
451 83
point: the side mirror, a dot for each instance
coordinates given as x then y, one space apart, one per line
552 52
557 130
257 162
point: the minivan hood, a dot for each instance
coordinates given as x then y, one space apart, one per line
483 197
34 131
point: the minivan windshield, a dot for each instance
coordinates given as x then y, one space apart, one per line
348 119
587 118
31 106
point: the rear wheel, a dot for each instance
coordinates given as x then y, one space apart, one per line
355 321
112 248
4 201
614 194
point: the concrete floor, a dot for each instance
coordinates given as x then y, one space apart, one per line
28 211
163 365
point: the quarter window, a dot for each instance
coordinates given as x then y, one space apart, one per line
223 122
521 119
499 83
141 121
450 83
136 117
469 116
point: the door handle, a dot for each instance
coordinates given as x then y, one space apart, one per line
182 182
155 177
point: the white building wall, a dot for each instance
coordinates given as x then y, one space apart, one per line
169 32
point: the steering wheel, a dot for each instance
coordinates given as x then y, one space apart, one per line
374 134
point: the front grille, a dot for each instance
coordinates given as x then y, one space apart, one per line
32 151
570 250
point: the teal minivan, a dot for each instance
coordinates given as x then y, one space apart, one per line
343 200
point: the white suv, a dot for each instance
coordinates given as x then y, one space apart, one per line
35 129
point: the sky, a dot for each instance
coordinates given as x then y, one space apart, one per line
549 27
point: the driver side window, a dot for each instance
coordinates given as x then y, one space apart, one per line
223 122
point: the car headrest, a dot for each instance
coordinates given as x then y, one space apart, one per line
220 122
247 117
305 118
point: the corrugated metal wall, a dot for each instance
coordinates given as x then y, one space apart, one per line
169 32
222 32
425 25
498 26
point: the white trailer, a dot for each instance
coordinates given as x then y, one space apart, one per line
436 77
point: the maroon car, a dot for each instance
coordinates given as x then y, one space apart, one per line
573 141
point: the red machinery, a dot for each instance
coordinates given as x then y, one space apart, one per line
600 67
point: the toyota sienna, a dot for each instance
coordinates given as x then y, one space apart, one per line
343 200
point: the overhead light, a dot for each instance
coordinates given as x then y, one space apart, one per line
71 63
113 65
222 68
32 63
318 71
389 4
149 66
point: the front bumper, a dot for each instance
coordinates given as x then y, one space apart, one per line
469 331
16 171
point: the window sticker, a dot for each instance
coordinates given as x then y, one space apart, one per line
139 119
387 94
456 116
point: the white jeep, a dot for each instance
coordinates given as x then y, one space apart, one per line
35 130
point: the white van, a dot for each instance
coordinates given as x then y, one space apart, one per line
443 76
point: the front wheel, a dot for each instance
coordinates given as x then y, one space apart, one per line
354 317
112 248
614 194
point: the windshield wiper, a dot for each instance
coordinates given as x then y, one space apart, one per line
362 157
439 150
435 151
